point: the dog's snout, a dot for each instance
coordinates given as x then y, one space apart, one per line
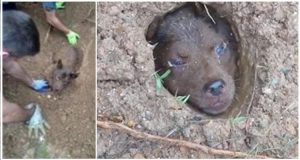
215 88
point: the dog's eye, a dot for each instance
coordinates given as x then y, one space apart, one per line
220 49
175 62
64 75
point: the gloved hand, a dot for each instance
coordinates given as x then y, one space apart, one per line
72 37
40 85
37 121
59 5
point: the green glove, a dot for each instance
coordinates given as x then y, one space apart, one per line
72 37
59 5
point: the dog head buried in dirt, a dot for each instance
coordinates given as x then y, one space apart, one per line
62 76
66 69
201 53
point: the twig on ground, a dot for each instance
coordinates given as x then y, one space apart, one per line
89 13
89 20
291 106
47 34
171 132
253 90
175 142
206 9
87 17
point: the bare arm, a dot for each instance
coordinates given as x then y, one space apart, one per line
55 22
12 67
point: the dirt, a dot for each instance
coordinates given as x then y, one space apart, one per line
71 114
126 87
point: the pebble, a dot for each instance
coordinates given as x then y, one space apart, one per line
139 156
49 96
148 115
133 151
267 90
130 123
290 127
279 15
63 118
139 126
274 81
114 11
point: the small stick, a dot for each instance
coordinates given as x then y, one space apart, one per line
209 14
89 20
89 12
47 34
290 106
171 132
175 142
253 91
87 17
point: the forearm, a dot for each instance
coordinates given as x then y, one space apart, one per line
55 22
11 67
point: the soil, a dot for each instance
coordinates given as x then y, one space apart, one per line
71 114
126 87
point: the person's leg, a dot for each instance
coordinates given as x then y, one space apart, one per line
14 113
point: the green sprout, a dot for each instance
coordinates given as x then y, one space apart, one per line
236 120
159 79
182 99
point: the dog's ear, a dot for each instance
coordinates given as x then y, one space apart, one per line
59 64
198 8
151 33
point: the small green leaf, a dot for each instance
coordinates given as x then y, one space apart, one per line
186 99
237 120
182 99
158 83
159 79
165 75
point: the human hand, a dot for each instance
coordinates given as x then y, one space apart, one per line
40 85
59 5
37 121
72 37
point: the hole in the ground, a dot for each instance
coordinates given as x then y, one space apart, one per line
207 60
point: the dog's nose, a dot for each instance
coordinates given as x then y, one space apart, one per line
215 88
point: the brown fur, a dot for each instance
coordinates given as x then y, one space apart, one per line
66 69
187 37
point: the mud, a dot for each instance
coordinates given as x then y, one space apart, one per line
126 88
71 114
